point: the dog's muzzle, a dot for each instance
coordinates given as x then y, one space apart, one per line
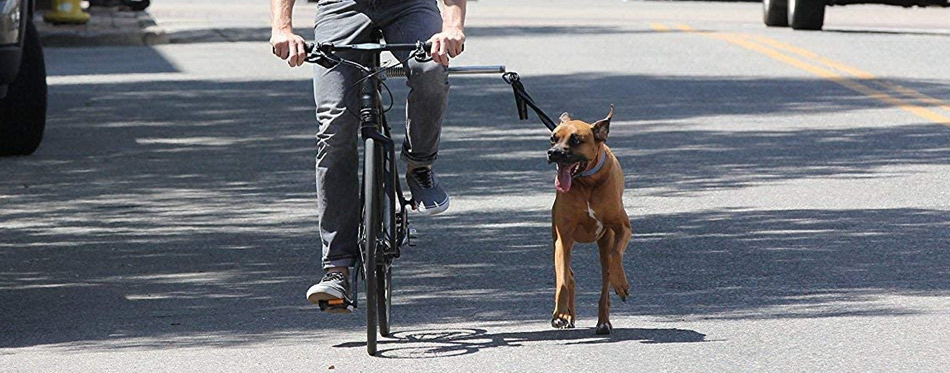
560 155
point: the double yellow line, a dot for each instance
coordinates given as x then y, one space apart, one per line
849 77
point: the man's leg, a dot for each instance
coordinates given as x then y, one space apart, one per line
408 22
337 181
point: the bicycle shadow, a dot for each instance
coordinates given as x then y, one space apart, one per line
437 343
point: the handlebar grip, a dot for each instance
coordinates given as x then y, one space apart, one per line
428 47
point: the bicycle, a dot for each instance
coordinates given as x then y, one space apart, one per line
384 228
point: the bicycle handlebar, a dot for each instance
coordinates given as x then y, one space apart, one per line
322 53
367 47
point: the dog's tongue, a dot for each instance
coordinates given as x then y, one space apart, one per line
563 180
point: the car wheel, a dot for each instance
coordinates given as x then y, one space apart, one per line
806 14
23 110
775 12
137 5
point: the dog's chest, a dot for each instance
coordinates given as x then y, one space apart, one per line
591 228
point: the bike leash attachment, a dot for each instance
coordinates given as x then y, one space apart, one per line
523 100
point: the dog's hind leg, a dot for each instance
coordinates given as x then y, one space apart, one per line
603 306
563 316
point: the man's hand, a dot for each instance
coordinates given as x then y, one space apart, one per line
447 44
288 46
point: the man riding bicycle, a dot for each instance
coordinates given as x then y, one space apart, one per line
337 184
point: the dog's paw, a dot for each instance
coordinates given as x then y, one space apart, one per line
623 291
562 321
604 328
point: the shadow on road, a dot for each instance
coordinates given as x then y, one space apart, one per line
170 214
105 61
416 344
885 31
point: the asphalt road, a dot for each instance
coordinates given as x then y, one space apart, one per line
788 193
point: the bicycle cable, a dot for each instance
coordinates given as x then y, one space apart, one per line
381 70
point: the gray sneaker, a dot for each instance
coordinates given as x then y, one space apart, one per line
427 191
332 293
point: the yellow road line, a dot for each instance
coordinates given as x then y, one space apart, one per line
854 71
743 40
930 100
813 56
659 27
682 27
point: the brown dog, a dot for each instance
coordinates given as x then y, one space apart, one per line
588 208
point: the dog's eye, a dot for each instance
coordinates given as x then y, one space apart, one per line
574 140
554 139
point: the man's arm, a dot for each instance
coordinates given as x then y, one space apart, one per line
450 42
287 45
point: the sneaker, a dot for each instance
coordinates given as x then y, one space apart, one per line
427 191
333 288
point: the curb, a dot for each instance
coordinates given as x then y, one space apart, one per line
108 26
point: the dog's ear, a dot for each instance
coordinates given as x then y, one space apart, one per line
602 127
565 117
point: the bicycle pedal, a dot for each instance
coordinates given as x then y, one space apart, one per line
409 239
336 306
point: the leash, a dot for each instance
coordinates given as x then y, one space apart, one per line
523 100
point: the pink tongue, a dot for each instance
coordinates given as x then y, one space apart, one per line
563 181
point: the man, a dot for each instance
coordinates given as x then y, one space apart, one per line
350 22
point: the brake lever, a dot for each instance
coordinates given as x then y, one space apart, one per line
421 54
422 51
320 54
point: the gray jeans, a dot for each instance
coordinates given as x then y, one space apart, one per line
335 90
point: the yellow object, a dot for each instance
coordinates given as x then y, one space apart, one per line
66 11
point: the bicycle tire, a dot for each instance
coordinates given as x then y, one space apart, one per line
388 236
384 298
370 228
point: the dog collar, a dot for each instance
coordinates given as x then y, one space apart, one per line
596 168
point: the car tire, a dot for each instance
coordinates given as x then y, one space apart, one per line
775 13
137 5
806 14
23 110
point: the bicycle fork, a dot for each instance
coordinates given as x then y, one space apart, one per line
374 125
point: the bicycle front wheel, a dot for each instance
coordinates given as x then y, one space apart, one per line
384 298
370 229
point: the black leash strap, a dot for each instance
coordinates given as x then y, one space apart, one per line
523 100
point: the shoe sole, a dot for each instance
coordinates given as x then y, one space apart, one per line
435 210
317 296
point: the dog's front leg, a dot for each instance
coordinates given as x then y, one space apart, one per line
618 277
564 312
605 246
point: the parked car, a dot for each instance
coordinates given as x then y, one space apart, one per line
810 14
22 80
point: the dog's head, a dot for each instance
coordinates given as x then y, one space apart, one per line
574 143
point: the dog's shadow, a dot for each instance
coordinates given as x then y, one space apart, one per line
416 344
